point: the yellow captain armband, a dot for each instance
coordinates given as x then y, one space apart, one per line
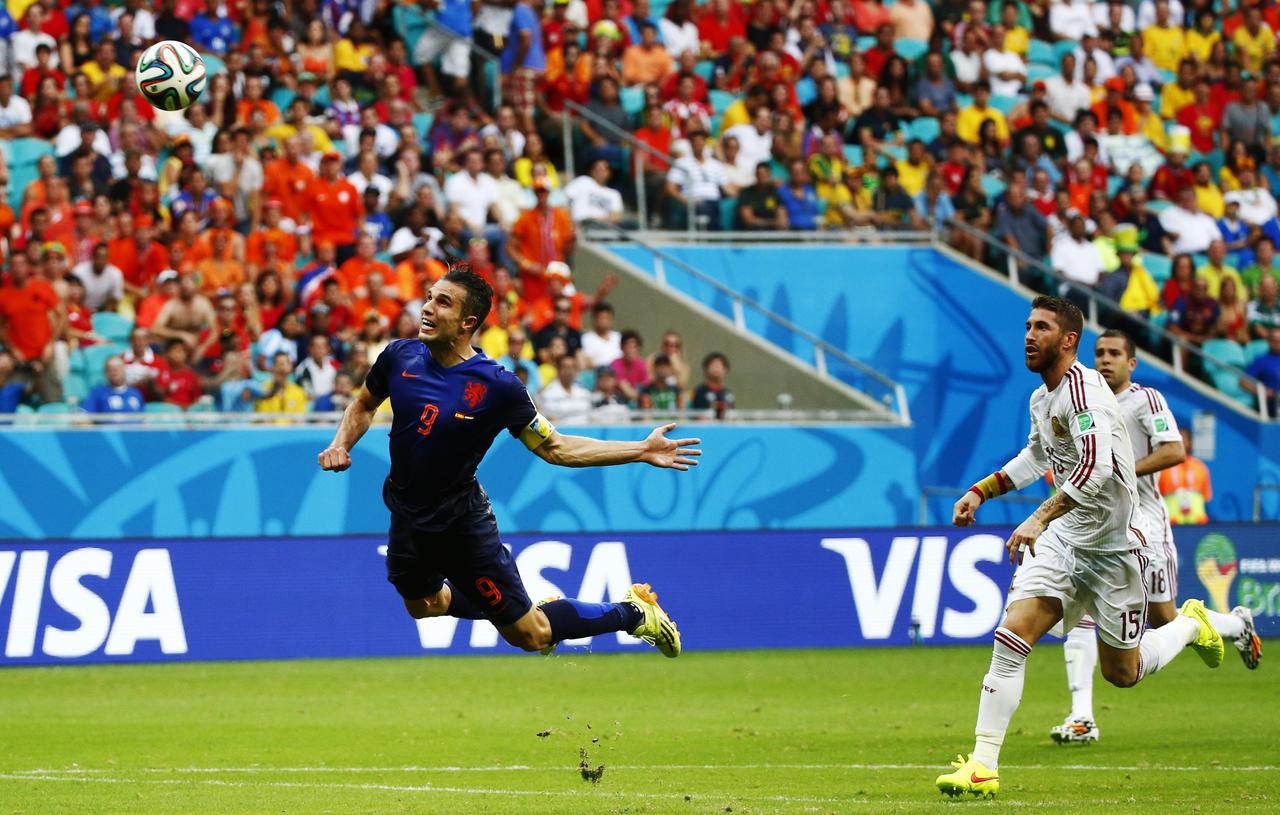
537 432
992 486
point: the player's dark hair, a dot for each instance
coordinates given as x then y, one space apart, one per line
1068 314
479 292
1130 349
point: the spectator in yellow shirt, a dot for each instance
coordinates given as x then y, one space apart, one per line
970 120
1016 38
1202 38
1216 270
105 77
1208 195
352 52
1149 123
283 394
1175 96
914 169
1166 43
1254 41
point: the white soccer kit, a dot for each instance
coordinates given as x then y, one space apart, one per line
1150 424
1091 559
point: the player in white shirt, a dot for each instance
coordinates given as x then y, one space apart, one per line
1086 554
1157 445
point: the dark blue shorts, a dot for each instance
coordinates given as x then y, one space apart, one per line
472 559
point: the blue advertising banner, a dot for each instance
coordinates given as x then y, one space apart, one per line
281 598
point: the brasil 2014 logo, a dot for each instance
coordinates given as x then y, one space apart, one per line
1216 567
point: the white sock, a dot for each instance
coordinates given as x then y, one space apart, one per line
1001 693
1229 625
1081 654
1159 646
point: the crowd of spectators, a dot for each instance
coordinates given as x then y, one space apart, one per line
263 245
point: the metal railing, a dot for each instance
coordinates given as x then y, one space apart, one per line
954 494
1258 490
611 416
892 396
1016 260
638 151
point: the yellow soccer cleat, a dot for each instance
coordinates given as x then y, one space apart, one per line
657 629
970 777
1208 644
550 649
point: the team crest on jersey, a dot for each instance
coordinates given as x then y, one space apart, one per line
1058 429
473 393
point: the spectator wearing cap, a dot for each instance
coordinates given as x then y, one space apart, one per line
150 306
334 207
1115 103
1150 125
541 235
115 396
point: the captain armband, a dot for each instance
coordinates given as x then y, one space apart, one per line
537 432
992 486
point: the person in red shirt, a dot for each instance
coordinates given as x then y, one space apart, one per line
43 67
223 335
1171 177
877 55
30 311
1202 117
78 327
122 252
335 208
177 383
869 15
721 22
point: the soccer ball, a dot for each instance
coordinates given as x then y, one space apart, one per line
170 75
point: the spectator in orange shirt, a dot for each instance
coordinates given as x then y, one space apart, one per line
539 236
221 222
543 310
220 271
287 179
29 312
122 252
353 274
253 102
646 61
417 270
1186 487
148 309
153 256
1115 100
272 231
376 301
334 206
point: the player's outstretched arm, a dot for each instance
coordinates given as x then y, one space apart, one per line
656 449
1168 454
355 421
996 484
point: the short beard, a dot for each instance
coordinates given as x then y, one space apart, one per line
1045 360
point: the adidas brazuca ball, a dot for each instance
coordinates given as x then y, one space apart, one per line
170 75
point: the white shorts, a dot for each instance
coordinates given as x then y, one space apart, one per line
456 50
1161 574
1107 586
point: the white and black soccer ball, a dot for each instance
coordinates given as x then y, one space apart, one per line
170 75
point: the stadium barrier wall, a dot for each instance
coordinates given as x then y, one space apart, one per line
290 598
953 338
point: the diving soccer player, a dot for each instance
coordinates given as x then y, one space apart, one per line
1156 444
1086 556
449 401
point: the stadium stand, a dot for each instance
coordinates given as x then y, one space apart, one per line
346 152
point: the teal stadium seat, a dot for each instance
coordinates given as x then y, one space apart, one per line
1040 52
865 42
410 22
89 361
1254 350
422 124
75 386
1061 48
909 49
1160 267
1004 104
632 99
1040 73
27 151
853 154
52 408
720 100
112 326
213 65
924 128
992 186
705 69
1227 352
164 413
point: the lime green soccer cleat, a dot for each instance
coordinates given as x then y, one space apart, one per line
1208 644
657 629
969 777
550 649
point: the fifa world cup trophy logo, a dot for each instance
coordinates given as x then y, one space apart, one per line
1216 567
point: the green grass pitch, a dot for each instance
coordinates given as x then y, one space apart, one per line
747 732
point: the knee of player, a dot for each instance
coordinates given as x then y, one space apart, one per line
433 606
1122 676
530 641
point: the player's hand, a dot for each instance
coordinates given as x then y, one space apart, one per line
676 454
334 459
1024 536
966 507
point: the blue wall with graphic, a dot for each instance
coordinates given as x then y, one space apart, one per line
953 338
288 598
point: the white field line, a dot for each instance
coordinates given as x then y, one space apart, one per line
585 794
74 771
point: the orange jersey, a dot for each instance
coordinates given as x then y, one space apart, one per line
539 238
286 245
336 211
354 274
289 183
123 254
386 308
408 280
219 275
542 311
